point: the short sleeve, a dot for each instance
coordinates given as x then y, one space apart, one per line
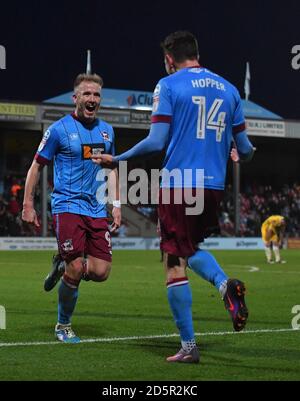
238 124
48 146
112 149
162 104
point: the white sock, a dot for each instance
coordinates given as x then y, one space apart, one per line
223 288
268 253
188 345
276 253
61 326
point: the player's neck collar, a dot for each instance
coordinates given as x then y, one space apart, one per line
86 124
187 67
194 66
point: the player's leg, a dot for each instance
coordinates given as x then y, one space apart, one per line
276 249
57 270
97 269
202 262
67 299
70 233
205 265
98 249
180 301
268 252
266 237
174 241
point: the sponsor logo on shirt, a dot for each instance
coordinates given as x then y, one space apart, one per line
91 149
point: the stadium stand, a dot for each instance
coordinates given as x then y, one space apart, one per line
258 201
22 125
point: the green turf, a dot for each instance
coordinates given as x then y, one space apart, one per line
133 303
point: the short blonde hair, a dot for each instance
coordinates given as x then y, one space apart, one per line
89 78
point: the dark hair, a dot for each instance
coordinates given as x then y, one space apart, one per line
182 45
87 77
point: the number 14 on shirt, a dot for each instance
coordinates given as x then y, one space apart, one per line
208 121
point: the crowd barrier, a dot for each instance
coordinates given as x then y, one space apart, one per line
130 243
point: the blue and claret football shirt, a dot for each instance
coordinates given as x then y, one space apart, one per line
77 180
204 111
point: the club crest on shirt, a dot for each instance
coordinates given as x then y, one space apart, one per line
104 135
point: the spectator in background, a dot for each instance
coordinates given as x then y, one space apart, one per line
3 216
13 206
16 187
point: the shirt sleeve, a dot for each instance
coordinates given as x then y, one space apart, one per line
112 149
48 146
162 104
154 142
238 124
244 146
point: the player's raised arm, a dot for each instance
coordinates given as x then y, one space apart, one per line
154 142
28 213
158 136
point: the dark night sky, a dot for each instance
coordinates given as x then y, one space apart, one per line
46 45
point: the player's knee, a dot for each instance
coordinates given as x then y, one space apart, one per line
76 266
101 272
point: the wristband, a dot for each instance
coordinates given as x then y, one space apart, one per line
116 203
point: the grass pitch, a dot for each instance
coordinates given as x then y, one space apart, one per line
127 326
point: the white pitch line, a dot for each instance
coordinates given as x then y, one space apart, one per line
113 339
253 269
